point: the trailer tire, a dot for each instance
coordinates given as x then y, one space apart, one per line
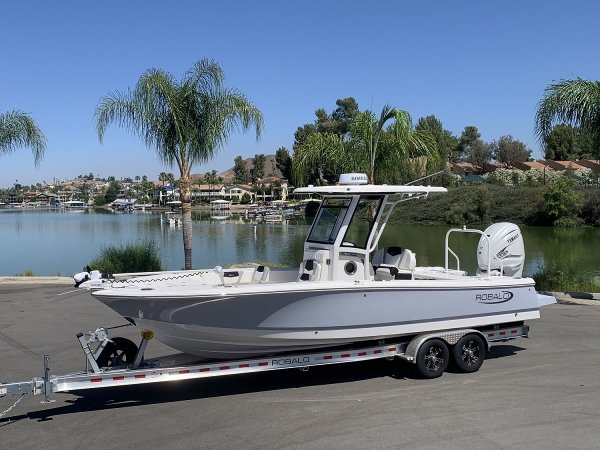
468 353
432 358
119 351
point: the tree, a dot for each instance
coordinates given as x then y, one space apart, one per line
284 162
111 192
163 176
146 187
562 202
17 130
479 153
302 134
566 143
445 140
338 122
559 144
246 198
258 168
343 115
402 145
509 151
185 121
574 102
319 159
469 136
211 179
240 171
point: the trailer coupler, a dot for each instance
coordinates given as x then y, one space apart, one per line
36 386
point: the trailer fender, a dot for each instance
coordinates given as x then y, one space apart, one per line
449 337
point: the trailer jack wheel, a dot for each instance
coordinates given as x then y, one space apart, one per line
432 358
118 352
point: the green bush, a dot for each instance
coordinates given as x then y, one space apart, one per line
139 257
590 212
564 276
26 273
562 203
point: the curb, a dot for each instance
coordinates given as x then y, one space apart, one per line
575 298
36 280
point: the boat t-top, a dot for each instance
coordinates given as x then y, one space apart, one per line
346 289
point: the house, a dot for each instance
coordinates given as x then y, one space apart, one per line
235 192
491 166
207 191
564 165
463 168
529 165
590 164
165 194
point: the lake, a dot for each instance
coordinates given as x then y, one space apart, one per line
59 242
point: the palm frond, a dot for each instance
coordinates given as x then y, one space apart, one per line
18 129
574 102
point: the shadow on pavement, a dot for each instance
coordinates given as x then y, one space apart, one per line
177 391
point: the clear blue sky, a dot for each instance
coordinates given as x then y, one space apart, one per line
467 62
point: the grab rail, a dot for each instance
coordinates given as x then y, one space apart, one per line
464 229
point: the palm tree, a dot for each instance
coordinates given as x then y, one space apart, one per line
399 142
575 102
17 129
163 177
186 122
318 153
384 153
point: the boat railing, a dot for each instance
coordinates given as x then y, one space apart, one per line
448 250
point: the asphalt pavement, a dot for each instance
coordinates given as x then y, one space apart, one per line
536 393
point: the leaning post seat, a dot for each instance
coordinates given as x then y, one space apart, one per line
260 274
310 270
391 263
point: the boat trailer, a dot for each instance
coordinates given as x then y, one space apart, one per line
431 352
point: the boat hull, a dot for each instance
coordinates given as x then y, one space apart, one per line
233 322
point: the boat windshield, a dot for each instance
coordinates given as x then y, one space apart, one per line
329 220
359 229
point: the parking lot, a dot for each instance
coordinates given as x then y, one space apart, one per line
541 392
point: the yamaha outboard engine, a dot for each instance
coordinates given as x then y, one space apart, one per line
506 247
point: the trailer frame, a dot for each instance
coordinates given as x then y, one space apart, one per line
178 367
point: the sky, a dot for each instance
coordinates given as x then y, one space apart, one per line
466 62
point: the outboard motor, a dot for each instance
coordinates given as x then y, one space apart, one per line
506 247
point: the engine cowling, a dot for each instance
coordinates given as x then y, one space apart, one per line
506 249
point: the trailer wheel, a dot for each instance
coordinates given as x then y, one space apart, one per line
469 353
118 352
432 358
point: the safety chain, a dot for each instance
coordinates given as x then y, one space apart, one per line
5 412
149 280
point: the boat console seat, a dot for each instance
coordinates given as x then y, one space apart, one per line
310 270
260 274
394 263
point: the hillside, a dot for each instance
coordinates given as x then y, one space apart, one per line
271 169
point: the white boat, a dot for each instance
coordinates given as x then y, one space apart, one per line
142 206
345 291
171 218
74 205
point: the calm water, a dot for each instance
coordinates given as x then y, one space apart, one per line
58 242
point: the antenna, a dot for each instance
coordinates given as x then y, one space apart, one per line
424 178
